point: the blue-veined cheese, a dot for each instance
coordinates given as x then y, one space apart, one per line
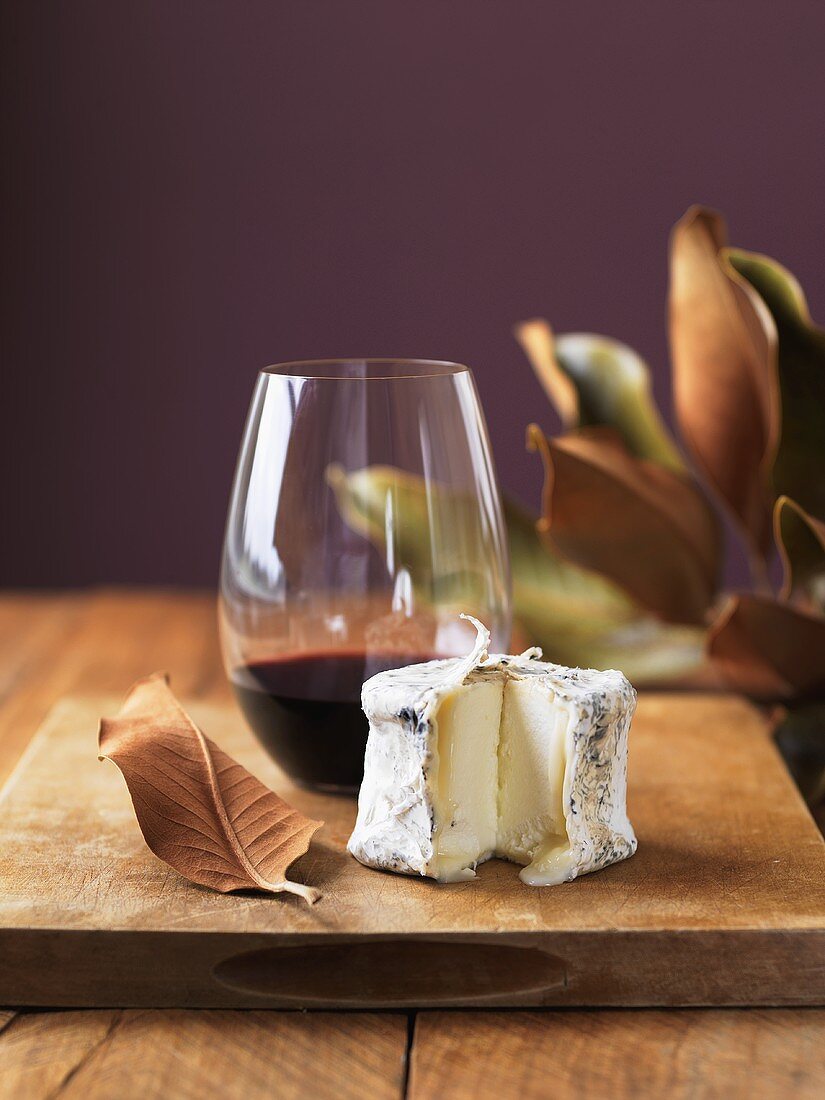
490 755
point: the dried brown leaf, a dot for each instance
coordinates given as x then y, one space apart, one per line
199 810
538 343
769 650
800 453
646 528
724 348
801 542
594 380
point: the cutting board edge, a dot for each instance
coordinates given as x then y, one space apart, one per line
577 969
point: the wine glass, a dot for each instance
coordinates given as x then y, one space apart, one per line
364 517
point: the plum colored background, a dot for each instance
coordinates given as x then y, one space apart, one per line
195 189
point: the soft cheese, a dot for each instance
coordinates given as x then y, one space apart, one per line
490 755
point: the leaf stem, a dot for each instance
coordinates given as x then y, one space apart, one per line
308 893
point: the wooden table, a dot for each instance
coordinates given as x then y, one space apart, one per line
100 641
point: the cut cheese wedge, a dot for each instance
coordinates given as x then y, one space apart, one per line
484 756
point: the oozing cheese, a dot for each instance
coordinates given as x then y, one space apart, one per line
507 756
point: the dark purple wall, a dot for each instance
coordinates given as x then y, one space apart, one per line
196 189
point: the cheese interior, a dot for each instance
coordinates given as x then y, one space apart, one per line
466 789
532 768
502 763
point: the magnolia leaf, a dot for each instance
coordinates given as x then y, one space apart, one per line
538 344
801 542
646 528
553 593
543 583
800 457
593 380
800 736
582 619
769 650
578 617
437 534
724 347
198 809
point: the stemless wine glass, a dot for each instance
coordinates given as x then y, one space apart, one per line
364 517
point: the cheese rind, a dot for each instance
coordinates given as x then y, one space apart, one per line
495 755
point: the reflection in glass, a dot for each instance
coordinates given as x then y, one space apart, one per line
364 517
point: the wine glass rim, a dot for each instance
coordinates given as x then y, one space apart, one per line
373 369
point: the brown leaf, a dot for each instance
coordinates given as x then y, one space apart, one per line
800 452
577 616
594 380
724 348
769 650
645 527
582 619
199 810
538 343
801 542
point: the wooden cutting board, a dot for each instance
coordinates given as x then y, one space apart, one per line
724 903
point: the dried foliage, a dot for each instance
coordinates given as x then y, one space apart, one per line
645 527
749 394
622 567
724 348
198 809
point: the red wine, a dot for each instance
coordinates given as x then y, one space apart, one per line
306 711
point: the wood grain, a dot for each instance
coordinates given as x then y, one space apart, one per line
197 1055
54 644
725 842
103 640
34 629
723 904
753 1054
99 641
39 1052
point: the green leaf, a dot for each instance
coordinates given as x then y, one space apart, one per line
578 617
800 457
434 533
593 380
